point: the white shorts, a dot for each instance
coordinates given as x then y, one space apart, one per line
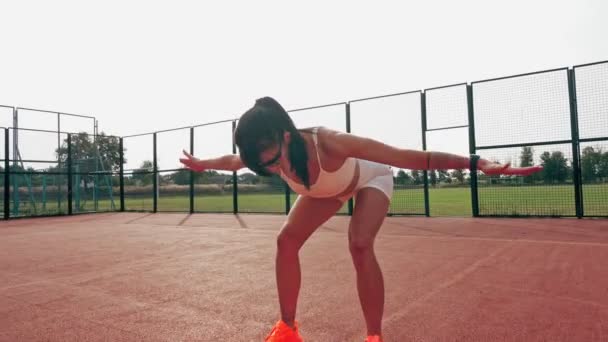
373 175
382 183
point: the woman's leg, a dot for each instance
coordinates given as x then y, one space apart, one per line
306 215
369 213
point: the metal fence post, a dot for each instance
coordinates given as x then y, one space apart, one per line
154 175
7 185
191 195
287 198
351 201
287 191
235 190
15 161
70 176
474 194
576 149
427 206
472 150
122 175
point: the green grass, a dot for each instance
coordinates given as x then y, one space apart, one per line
528 200
518 200
450 202
595 199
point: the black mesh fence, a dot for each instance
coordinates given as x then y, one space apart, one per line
172 184
3 169
37 194
38 174
526 120
592 111
54 121
397 122
267 196
95 161
138 154
213 190
523 109
6 120
594 172
447 130
139 192
592 101
172 197
556 118
95 192
547 193
39 179
449 190
446 107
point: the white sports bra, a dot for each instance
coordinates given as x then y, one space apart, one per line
328 184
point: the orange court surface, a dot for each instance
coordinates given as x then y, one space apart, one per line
210 277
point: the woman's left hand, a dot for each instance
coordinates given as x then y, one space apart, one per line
491 169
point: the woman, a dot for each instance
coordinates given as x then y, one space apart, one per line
326 168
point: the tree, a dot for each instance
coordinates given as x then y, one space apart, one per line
402 178
274 181
590 164
417 177
213 177
182 177
248 178
603 167
143 175
443 176
526 158
555 167
89 156
458 174
18 172
433 177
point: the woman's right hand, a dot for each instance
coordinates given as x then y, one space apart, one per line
191 162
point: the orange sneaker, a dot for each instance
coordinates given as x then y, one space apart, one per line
282 332
374 338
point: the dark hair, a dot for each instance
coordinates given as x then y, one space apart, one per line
262 127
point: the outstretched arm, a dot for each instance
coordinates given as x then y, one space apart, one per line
229 162
350 145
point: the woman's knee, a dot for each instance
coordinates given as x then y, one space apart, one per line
360 245
287 241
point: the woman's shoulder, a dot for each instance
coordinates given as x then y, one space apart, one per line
327 139
319 129
312 129
326 132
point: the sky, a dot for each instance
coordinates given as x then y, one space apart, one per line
142 66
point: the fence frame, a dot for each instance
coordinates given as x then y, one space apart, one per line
574 141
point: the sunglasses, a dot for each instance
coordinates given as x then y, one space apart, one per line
275 159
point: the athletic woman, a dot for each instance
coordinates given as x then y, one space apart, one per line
326 168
